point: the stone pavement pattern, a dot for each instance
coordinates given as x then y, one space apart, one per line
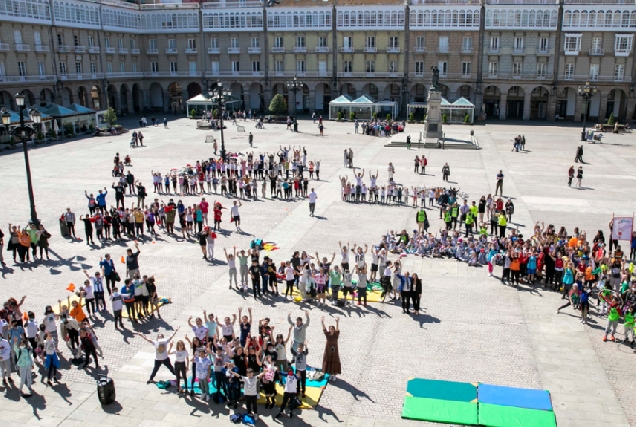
473 328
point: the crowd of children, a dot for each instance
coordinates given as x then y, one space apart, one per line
236 360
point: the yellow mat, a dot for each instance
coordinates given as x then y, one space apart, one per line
309 402
372 296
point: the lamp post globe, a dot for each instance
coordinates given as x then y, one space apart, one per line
19 100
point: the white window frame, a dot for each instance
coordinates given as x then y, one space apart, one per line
442 66
623 44
493 68
594 71
466 69
572 44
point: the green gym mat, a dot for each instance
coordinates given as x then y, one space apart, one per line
510 416
439 411
442 390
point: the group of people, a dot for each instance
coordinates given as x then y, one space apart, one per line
377 127
240 360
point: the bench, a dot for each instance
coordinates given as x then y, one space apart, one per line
201 124
240 128
210 139
608 128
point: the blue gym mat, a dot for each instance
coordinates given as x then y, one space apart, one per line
511 396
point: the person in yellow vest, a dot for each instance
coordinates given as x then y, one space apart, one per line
470 220
448 219
420 219
454 210
502 224
474 210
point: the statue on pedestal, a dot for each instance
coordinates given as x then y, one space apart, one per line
435 78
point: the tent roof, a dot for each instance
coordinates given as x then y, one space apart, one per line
15 117
57 111
463 102
342 99
81 109
445 103
363 100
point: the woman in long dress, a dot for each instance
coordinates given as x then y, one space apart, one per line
331 358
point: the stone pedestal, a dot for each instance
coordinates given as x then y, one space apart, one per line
433 123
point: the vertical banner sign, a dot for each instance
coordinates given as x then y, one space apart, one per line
622 228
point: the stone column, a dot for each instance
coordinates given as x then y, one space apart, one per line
602 112
503 100
311 107
578 107
552 102
629 108
166 100
526 105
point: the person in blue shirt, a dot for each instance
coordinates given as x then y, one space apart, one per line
108 271
101 200
233 384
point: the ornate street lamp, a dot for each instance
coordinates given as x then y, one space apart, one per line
221 93
294 86
24 132
586 92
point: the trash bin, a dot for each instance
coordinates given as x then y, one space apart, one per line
64 228
105 390
295 126
583 135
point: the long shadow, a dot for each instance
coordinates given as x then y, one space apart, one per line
351 389
6 270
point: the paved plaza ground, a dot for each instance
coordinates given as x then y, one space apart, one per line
473 328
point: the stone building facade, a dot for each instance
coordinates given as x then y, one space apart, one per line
514 59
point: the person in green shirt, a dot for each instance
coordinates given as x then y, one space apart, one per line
448 220
32 231
628 324
613 316
470 220
24 363
335 281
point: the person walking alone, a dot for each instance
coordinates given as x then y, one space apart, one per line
312 202
499 187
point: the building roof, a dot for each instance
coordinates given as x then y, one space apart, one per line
369 2
296 3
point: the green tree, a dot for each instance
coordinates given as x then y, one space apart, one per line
278 105
193 113
339 116
411 119
444 118
110 116
352 116
467 119
388 117
611 120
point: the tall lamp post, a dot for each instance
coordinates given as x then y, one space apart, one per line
294 86
586 92
222 93
24 132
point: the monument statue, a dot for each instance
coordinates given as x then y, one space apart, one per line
435 78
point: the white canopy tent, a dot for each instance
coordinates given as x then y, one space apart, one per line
363 108
201 103
457 111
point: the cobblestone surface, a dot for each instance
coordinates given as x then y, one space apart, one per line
473 329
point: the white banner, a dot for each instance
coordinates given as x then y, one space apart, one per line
622 228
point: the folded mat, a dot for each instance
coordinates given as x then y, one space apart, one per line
440 411
509 416
518 397
442 390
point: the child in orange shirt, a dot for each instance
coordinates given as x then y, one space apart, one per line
77 312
